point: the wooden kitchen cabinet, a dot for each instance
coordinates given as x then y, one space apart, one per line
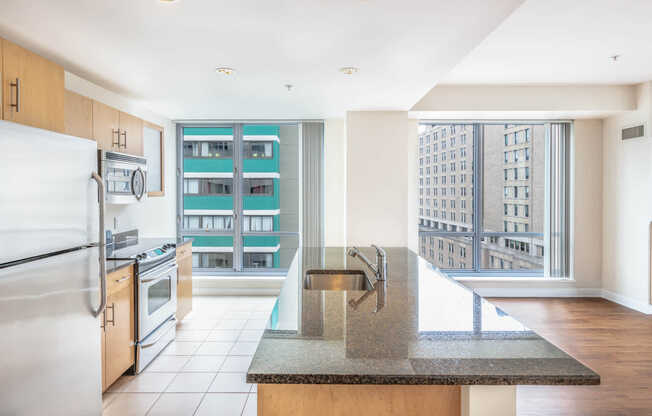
116 131
32 89
131 134
106 127
184 282
119 326
78 115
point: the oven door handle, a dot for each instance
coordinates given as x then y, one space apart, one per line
170 323
159 276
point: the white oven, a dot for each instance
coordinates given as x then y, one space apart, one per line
125 177
157 297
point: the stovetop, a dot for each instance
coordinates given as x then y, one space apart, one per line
132 247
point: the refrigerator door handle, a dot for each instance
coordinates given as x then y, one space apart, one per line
100 192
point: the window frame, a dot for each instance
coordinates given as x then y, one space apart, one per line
237 233
478 235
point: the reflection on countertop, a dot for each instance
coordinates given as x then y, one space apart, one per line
420 327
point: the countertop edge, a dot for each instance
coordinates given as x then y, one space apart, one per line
590 380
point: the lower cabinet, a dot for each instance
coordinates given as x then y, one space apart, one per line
184 283
118 351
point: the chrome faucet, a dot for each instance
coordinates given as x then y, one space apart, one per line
380 268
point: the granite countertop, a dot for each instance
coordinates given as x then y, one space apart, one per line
113 265
421 327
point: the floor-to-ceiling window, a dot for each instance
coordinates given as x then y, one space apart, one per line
492 197
239 195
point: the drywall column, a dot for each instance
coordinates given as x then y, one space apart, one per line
379 188
334 182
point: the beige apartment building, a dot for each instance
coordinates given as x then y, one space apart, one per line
513 195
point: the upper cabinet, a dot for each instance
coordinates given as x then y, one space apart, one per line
117 131
78 115
106 127
32 92
32 89
131 134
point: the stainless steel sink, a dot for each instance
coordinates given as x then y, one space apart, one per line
336 280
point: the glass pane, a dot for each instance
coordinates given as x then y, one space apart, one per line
268 252
270 179
158 295
512 253
447 252
208 194
212 260
514 178
446 177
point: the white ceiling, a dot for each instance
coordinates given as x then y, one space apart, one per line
562 41
164 55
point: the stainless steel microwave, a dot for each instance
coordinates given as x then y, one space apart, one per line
125 177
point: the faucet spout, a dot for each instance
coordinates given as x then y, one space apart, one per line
380 268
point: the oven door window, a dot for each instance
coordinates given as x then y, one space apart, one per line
158 295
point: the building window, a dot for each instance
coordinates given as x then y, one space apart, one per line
208 222
258 223
258 260
258 150
258 187
208 186
212 260
201 149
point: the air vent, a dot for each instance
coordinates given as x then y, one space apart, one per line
124 158
633 132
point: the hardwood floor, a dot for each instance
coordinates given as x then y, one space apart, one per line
614 341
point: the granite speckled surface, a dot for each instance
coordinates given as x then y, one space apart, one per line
113 265
420 327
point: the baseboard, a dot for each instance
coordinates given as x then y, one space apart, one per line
637 305
223 291
502 292
237 286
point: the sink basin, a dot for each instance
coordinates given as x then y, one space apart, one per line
336 280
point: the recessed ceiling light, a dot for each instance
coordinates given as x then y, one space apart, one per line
167 1
224 70
349 70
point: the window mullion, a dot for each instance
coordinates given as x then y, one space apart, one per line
477 194
237 197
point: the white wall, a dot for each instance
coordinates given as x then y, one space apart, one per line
335 182
379 171
627 207
156 216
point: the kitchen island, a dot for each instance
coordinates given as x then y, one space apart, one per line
419 344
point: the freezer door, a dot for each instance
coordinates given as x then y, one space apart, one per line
50 352
48 200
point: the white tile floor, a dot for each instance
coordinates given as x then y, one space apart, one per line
203 371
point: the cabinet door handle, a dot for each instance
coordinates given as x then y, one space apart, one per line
123 279
17 86
117 133
112 320
124 134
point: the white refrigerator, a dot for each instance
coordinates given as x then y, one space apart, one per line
51 273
